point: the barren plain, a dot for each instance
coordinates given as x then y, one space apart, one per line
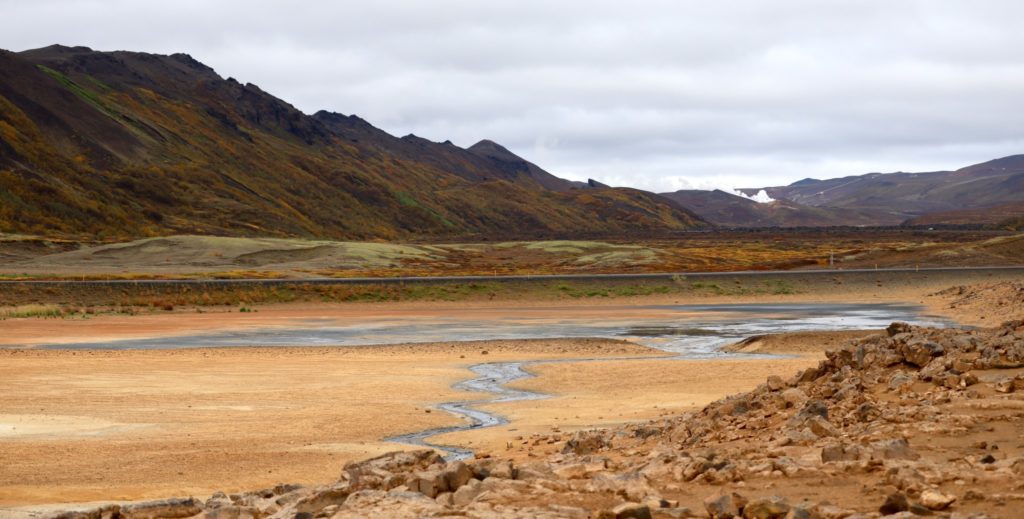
79 426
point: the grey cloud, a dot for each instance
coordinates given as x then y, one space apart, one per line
655 94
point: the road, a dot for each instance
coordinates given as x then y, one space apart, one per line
502 279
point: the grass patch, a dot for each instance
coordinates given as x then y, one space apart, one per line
27 311
86 95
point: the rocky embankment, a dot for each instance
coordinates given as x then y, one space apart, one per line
911 422
984 303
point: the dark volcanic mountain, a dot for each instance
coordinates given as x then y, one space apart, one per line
730 210
967 195
119 144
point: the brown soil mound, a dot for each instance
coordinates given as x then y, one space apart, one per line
915 421
991 302
796 343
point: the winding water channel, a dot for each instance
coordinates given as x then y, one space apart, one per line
689 332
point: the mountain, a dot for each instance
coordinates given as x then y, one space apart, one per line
1004 215
730 210
895 197
127 144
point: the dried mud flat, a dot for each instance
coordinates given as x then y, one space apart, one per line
909 421
134 424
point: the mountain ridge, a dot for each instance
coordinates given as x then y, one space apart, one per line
127 144
990 193
906 196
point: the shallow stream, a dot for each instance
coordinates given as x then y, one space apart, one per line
686 331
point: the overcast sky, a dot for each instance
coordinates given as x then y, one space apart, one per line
660 95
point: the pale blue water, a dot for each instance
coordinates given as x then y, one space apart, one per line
688 331
691 335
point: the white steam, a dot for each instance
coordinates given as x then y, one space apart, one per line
760 197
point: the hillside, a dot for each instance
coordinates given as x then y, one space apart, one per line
895 197
126 144
730 210
1003 216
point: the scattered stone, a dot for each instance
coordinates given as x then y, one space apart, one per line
894 503
585 442
845 422
773 507
794 397
467 493
164 509
935 500
631 511
893 449
724 506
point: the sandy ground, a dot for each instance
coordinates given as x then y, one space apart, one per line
797 343
83 426
128 425
597 394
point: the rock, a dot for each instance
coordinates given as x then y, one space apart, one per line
631 511
894 503
935 500
808 375
467 493
840 452
660 503
456 474
444 499
897 328
323 498
899 381
905 478
377 503
867 412
493 468
372 472
217 500
813 408
429 483
571 471
797 512
794 397
103 512
893 449
775 383
584 442
920 353
821 427
1004 386
234 512
827 511
724 506
534 471
164 509
773 507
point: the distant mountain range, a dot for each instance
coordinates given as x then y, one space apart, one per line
987 193
128 144
124 144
